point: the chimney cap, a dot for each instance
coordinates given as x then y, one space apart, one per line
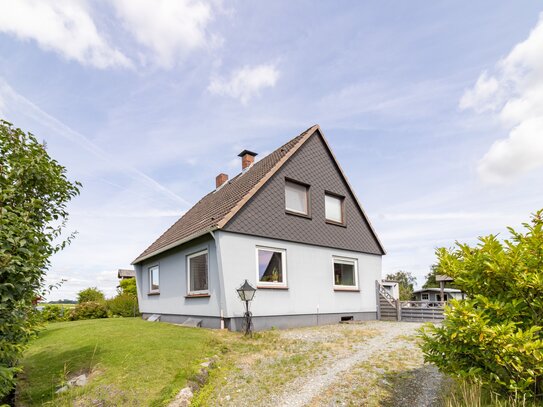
247 152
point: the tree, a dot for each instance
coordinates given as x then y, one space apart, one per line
406 283
128 286
34 192
91 294
495 336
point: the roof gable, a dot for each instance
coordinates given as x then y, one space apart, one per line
315 165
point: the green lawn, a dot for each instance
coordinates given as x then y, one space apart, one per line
131 361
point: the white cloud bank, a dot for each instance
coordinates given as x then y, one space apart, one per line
514 93
245 83
63 26
170 28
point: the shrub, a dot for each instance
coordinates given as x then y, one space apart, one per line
128 286
51 313
90 294
494 337
123 305
89 310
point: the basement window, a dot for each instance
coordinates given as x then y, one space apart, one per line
197 266
345 273
153 280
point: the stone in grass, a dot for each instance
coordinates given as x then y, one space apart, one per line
77 381
183 398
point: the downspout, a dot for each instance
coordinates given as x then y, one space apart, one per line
222 299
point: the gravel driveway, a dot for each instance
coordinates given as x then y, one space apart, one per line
368 364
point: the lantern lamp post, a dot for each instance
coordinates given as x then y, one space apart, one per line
246 292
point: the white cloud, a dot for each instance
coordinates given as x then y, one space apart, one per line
63 26
514 94
170 28
245 83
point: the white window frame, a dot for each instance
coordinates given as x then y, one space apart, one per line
341 200
422 295
265 284
190 256
345 260
149 271
307 199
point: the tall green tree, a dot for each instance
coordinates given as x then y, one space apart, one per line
495 336
91 294
34 192
406 282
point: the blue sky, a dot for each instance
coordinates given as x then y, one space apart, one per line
434 110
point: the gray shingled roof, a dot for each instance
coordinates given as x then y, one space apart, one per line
213 210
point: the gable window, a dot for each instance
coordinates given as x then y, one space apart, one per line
296 198
271 267
333 208
424 296
345 273
197 266
153 280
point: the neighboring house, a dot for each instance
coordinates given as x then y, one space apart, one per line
290 224
123 274
435 294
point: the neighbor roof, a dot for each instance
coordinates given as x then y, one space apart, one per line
215 209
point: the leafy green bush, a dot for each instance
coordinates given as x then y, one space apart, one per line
89 310
123 305
90 294
128 286
34 193
494 337
51 313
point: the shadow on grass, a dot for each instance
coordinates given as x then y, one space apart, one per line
52 369
423 386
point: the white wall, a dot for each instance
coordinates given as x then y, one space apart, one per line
309 278
173 282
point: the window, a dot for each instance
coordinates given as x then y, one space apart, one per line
424 296
271 267
153 279
197 267
345 273
296 199
333 208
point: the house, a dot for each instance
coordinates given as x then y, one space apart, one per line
290 224
435 294
123 274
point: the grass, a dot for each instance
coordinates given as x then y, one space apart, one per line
130 362
467 394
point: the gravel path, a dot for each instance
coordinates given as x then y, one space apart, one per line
391 337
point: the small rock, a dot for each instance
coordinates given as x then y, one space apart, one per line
205 364
183 398
79 381
227 398
62 389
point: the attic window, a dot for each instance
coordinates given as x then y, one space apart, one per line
296 198
334 208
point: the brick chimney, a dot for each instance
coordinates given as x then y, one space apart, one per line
247 158
220 179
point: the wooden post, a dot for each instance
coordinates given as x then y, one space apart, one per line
378 300
398 310
442 287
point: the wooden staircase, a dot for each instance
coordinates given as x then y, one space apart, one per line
386 305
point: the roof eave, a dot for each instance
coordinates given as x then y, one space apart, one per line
174 244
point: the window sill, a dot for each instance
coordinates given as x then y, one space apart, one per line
353 289
271 287
331 222
301 215
154 293
202 295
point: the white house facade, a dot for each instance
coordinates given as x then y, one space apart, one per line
290 225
